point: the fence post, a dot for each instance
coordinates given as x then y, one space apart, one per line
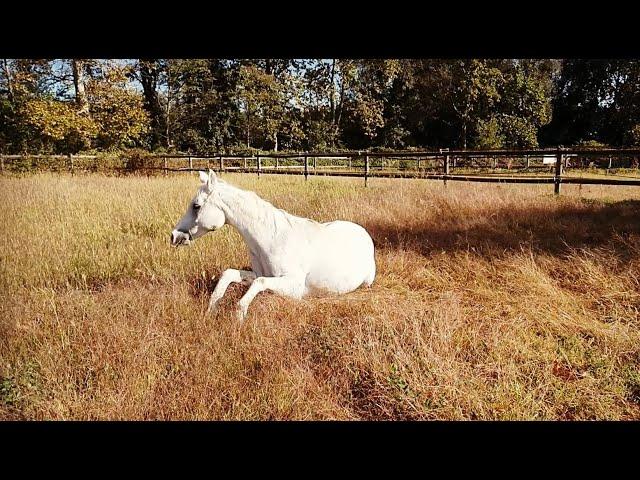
527 159
165 166
558 173
277 162
259 163
71 163
245 162
366 170
447 159
349 162
306 167
609 163
221 164
190 163
445 165
315 163
2 163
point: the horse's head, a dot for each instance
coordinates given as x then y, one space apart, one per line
204 213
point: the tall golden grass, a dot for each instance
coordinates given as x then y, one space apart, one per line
491 302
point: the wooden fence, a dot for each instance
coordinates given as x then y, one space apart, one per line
552 166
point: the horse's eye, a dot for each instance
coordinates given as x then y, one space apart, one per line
196 206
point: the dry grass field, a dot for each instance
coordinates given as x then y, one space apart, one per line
491 302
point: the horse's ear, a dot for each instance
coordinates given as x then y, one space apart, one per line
213 179
204 178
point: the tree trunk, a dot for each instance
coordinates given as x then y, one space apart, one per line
167 123
275 141
248 145
149 75
7 73
464 135
79 84
332 96
336 127
170 94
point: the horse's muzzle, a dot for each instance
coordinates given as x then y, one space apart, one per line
178 237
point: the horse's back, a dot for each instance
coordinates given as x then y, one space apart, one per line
344 258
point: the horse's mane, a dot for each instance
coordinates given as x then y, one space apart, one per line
261 202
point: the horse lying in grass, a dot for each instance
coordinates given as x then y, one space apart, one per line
291 256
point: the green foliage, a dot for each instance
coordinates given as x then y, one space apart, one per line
591 143
633 136
36 120
117 111
221 105
8 392
525 103
261 97
489 134
59 122
518 131
596 100
368 84
475 91
202 115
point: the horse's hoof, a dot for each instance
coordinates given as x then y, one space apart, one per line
241 314
213 308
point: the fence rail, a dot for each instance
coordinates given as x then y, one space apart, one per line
505 166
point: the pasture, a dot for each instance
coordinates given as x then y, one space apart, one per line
490 302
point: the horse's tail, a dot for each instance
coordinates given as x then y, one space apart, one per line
369 280
372 272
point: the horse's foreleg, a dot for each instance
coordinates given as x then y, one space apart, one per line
228 277
288 286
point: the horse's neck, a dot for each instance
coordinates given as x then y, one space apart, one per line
256 219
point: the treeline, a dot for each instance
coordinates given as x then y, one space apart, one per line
222 105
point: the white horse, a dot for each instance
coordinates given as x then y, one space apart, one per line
290 255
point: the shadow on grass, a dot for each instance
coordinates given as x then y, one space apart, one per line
201 286
508 229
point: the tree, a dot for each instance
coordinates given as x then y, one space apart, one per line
475 90
150 73
30 118
524 105
262 99
622 114
59 126
364 87
117 110
581 89
205 116
274 89
79 82
319 103
212 105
